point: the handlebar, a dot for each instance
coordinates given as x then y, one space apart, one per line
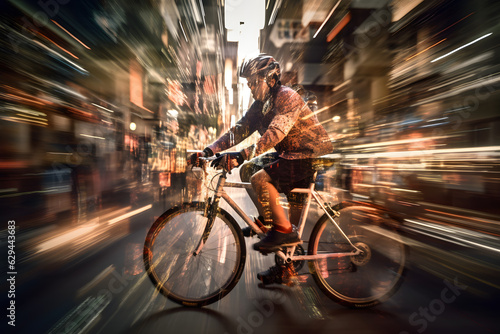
206 160
224 161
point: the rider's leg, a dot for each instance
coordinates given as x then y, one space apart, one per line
250 168
246 171
284 173
268 197
295 200
296 203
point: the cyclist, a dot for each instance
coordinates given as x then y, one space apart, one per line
286 124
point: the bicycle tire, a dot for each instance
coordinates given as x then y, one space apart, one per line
181 276
359 281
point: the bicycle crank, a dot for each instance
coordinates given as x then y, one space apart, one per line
299 250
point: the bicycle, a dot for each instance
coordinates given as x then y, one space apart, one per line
195 253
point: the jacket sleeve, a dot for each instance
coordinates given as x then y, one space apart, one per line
243 129
288 108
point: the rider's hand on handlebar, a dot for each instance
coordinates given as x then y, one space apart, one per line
194 159
228 160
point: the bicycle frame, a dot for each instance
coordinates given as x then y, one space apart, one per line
311 194
198 274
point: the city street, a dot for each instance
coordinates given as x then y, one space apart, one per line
109 292
391 108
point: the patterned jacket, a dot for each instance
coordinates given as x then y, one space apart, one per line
285 123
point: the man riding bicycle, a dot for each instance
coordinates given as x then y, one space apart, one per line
286 124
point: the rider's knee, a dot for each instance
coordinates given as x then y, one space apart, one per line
258 179
246 172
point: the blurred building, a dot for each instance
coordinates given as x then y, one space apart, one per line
101 100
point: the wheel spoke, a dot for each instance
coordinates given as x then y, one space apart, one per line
358 280
187 278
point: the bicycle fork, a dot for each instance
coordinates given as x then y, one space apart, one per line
210 214
211 209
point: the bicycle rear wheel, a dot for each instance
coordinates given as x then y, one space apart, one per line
182 276
366 279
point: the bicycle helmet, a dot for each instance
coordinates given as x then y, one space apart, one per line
263 65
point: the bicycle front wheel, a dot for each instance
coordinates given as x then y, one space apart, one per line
185 277
366 279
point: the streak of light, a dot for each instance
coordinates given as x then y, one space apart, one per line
338 28
436 237
60 26
8 190
60 47
431 125
487 221
448 27
130 214
14 97
32 118
98 106
436 34
336 88
90 136
83 316
26 111
450 82
183 32
62 57
471 61
430 47
451 233
276 7
66 237
479 83
420 152
462 47
323 109
203 13
437 119
25 120
82 231
327 18
48 191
